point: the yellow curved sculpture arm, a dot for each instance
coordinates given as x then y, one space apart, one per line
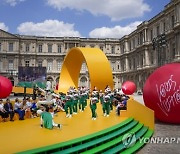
99 68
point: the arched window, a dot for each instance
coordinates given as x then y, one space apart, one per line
83 82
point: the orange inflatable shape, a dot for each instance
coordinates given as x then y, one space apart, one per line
99 68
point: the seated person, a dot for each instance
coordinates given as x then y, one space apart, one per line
27 107
3 112
34 108
122 105
47 119
9 109
18 108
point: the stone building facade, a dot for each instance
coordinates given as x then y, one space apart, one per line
132 57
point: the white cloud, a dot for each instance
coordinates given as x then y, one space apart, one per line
13 2
48 28
114 32
3 26
115 9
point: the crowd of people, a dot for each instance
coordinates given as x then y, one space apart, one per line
7 109
76 100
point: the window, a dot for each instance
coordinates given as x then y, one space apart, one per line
49 66
122 49
0 46
11 65
83 67
66 46
133 43
113 50
39 63
129 45
49 48
130 64
1 65
172 21
138 39
71 45
83 80
141 60
164 26
118 67
10 46
59 65
27 47
157 30
27 63
40 48
134 63
113 66
101 47
173 51
152 57
151 34
59 48
141 38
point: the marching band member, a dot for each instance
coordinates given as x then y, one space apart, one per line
93 101
82 101
75 102
68 104
106 104
108 90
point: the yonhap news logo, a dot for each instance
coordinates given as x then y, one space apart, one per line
129 139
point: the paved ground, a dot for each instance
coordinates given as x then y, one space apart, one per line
166 132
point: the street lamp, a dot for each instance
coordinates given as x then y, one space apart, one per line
158 43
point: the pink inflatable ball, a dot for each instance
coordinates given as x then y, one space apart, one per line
128 87
161 93
5 87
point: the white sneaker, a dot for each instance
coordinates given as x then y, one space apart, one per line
104 114
107 115
94 118
70 116
74 112
67 115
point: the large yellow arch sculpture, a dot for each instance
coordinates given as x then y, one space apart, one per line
99 68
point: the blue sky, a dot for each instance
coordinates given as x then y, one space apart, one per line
82 18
